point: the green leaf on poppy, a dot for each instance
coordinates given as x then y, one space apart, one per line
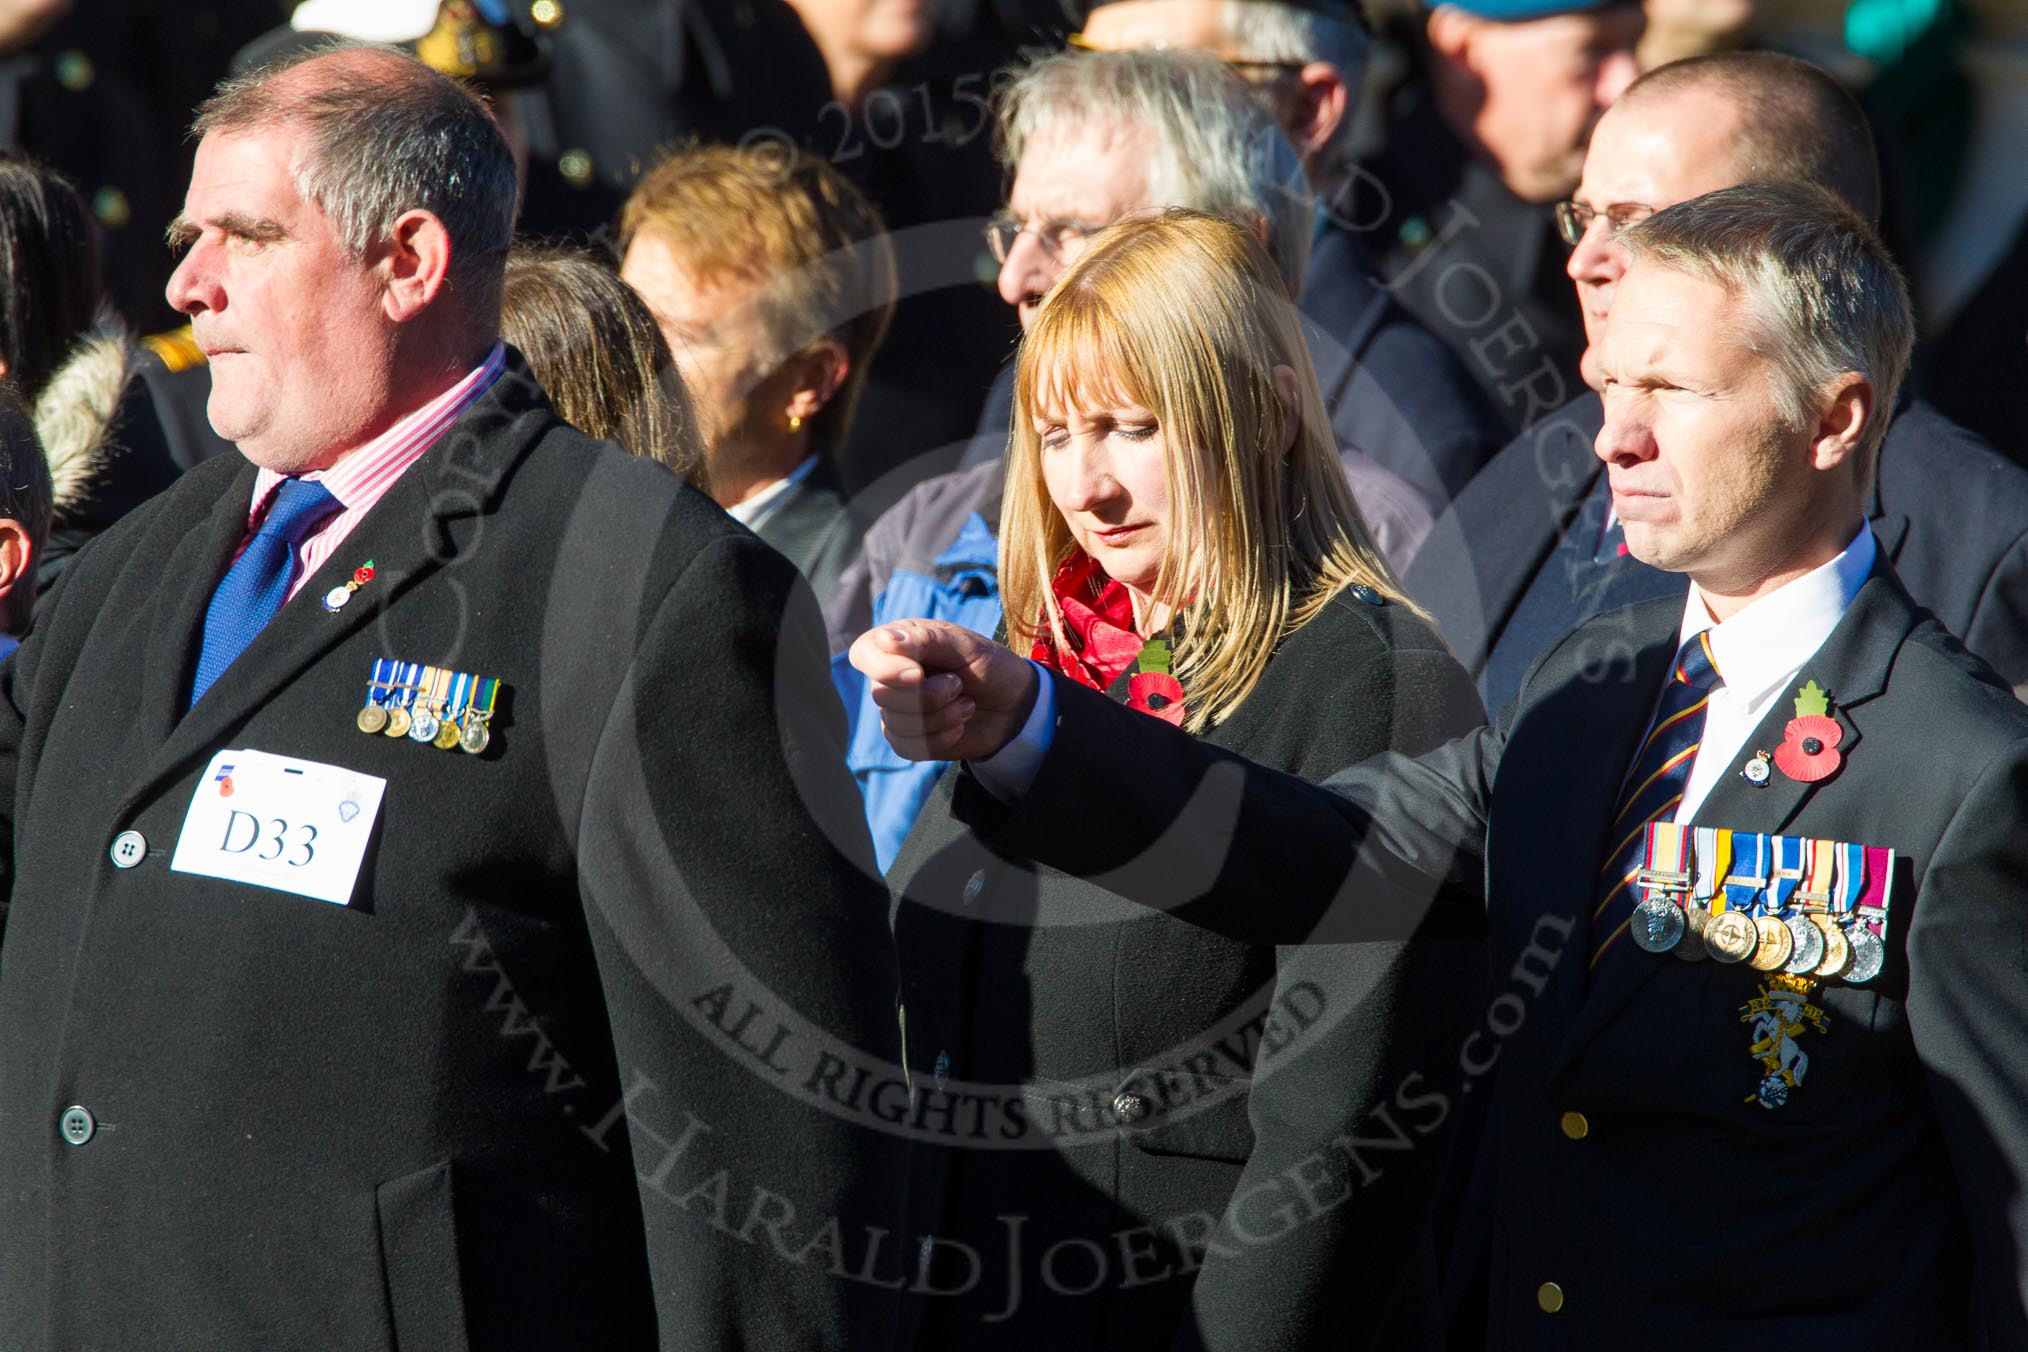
1811 700
1154 656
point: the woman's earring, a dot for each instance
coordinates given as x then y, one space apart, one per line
795 423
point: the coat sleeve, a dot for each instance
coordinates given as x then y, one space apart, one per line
1968 1013
1328 1242
1393 846
742 943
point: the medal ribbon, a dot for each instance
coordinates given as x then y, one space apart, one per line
1851 878
1874 901
461 691
1787 874
406 680
482 701
440 689
1749 862
378 689
1712 853
1816 893
1665 857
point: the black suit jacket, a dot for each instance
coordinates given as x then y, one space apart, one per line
1882 1208
1395 390
513 1095
815 528
1141 1075
1949 512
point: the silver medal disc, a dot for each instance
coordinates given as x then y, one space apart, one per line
1657 926
424 728
1809 945
474 739
1868 954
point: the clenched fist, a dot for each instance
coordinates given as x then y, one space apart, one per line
943 692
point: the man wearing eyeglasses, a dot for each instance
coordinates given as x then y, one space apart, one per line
1395 389
1532 549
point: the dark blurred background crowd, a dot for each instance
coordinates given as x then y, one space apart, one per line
896 95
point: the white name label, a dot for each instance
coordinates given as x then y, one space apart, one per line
269 821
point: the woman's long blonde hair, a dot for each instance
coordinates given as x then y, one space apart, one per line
1184 315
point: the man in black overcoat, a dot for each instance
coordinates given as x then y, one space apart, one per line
528 1065
1526 553
1695 1154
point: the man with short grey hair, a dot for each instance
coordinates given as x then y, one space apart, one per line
1793 780
386 961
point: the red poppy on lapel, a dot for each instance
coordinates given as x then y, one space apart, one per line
1809 749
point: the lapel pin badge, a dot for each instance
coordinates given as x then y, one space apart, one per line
1757 770
335 599
1809 749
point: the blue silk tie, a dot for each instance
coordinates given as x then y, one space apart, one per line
1654 787
253 589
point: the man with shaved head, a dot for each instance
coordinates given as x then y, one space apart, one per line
1533 547
382 964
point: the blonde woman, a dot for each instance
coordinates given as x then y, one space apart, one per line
1116 1111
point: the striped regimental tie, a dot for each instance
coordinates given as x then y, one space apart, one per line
1654 788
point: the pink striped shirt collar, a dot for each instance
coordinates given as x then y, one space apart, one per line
362 478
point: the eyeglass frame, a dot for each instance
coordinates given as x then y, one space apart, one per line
1574 218
1045 233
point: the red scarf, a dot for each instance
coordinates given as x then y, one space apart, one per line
1098 620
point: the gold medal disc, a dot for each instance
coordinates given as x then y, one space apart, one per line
1837 948
372 719
1776 944
447 737
1732 937
397 723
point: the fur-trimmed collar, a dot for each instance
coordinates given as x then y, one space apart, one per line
74 412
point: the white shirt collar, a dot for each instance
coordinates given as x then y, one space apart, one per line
761 505
1765 644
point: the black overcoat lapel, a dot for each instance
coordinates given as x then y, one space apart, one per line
423 523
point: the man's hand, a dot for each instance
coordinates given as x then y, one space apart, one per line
944 693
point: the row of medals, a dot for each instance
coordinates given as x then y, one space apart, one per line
438 730
1803 944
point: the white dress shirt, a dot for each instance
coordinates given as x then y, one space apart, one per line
1759 652
762 505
